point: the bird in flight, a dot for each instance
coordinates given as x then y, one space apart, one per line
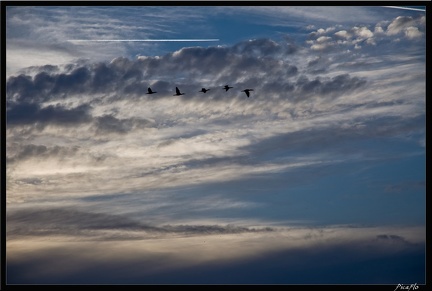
226 87
247 91
204 90
150 91
178 92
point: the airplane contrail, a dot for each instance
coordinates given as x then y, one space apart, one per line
406 8
138 40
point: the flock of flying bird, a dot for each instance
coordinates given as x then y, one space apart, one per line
203 90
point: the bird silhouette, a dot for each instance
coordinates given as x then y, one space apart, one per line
204 90
247 91
178 92
150 91
226 87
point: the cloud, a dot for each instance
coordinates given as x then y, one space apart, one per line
413 32
23 152
152 188
109 124
31 113
263 47
310 17
401 23
187 68
88 128
27 89
200 138
356 36
49 37
343 34
285 256
337 85
45 222
45 39
362 32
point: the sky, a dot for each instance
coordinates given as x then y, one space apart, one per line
317 177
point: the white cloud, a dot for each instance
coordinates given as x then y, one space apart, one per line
399 24
343 34
413 32
409 26
323 39
362 32
379 30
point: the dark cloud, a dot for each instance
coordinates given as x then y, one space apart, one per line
43 83
212 229
38 117
342 84
31 181
104 78
20 87
38 69
66 221
260 64
44 86
75 82
318 65
206 60
390 237
279 88
31 113
240 65
335 86
264 47
110 124
23 152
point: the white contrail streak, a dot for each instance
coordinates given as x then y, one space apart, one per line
138 40
405 8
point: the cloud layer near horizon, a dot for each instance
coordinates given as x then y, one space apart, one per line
285 256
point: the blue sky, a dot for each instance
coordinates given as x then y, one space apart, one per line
325 159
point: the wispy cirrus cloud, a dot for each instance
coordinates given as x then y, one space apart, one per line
45 39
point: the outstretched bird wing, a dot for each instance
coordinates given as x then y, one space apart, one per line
247 91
